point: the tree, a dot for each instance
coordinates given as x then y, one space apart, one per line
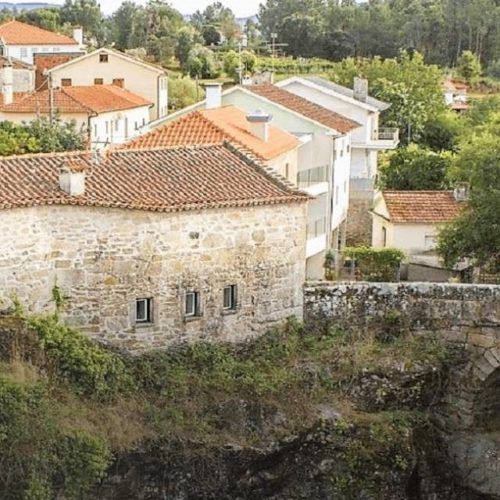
414 168
201 63
187 37
475 234
40 136
49 19
469 66
84 13
231 64
122 25
183 92
216 23
442 132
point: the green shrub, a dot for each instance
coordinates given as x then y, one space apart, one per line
89 368
374 264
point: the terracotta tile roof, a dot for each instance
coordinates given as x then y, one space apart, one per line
164 180
454 85
304 107
18 33
213 127
88 100
424 207
44 61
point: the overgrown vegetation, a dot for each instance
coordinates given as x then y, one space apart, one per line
68 405
375 264
40 136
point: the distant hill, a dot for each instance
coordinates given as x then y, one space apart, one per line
26 6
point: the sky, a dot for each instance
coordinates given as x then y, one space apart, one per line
242 8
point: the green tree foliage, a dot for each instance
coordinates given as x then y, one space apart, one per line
412 87
475 234
201 63
123 24
187 37
469 66
183 92
216 23
414 168
40 136
442 132
84 13
439 29
374 264
49 19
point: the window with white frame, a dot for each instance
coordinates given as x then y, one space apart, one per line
23 52
430 241
192 305
144 311
230 297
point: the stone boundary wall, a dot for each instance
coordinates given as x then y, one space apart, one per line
456 311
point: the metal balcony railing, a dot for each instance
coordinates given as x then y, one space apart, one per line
312 176
386 135
316 228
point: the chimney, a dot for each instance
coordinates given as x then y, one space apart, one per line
213 95
259 124
8 82
72 178
360 89
461 192
78 35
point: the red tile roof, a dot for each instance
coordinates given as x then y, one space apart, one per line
166 180
18 33
422 207
16 63
88 100
214 126
304 107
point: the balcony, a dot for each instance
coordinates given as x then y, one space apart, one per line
383 138
316 237
313 181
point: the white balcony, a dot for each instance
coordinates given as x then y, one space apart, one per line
384 138
316 237
314 181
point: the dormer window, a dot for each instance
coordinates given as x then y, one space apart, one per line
103 58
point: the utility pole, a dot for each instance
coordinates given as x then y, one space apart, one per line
51 100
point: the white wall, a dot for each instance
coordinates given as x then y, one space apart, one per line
118 126
138 78
25 52
340 182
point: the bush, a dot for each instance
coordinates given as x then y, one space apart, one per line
89 368
183 92
376 264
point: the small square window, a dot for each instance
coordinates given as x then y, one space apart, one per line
66 82
98 81
103 58
192 305
144 311
119 82
230 297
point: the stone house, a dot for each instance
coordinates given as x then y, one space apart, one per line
22 41
367 141
323 158
107 113
409 221
154 247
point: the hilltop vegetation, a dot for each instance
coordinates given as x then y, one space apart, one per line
70 409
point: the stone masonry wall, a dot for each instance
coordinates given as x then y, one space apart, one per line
105 259
450 309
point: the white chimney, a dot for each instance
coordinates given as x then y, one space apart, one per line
360 89
259 124
461 191
72 179
78 35
213 95
8 83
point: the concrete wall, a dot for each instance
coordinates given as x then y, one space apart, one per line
23 80
138 78
25 52
105 259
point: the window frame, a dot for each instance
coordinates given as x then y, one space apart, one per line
104 58
233 298
195 311
66 82
148 316
98 81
